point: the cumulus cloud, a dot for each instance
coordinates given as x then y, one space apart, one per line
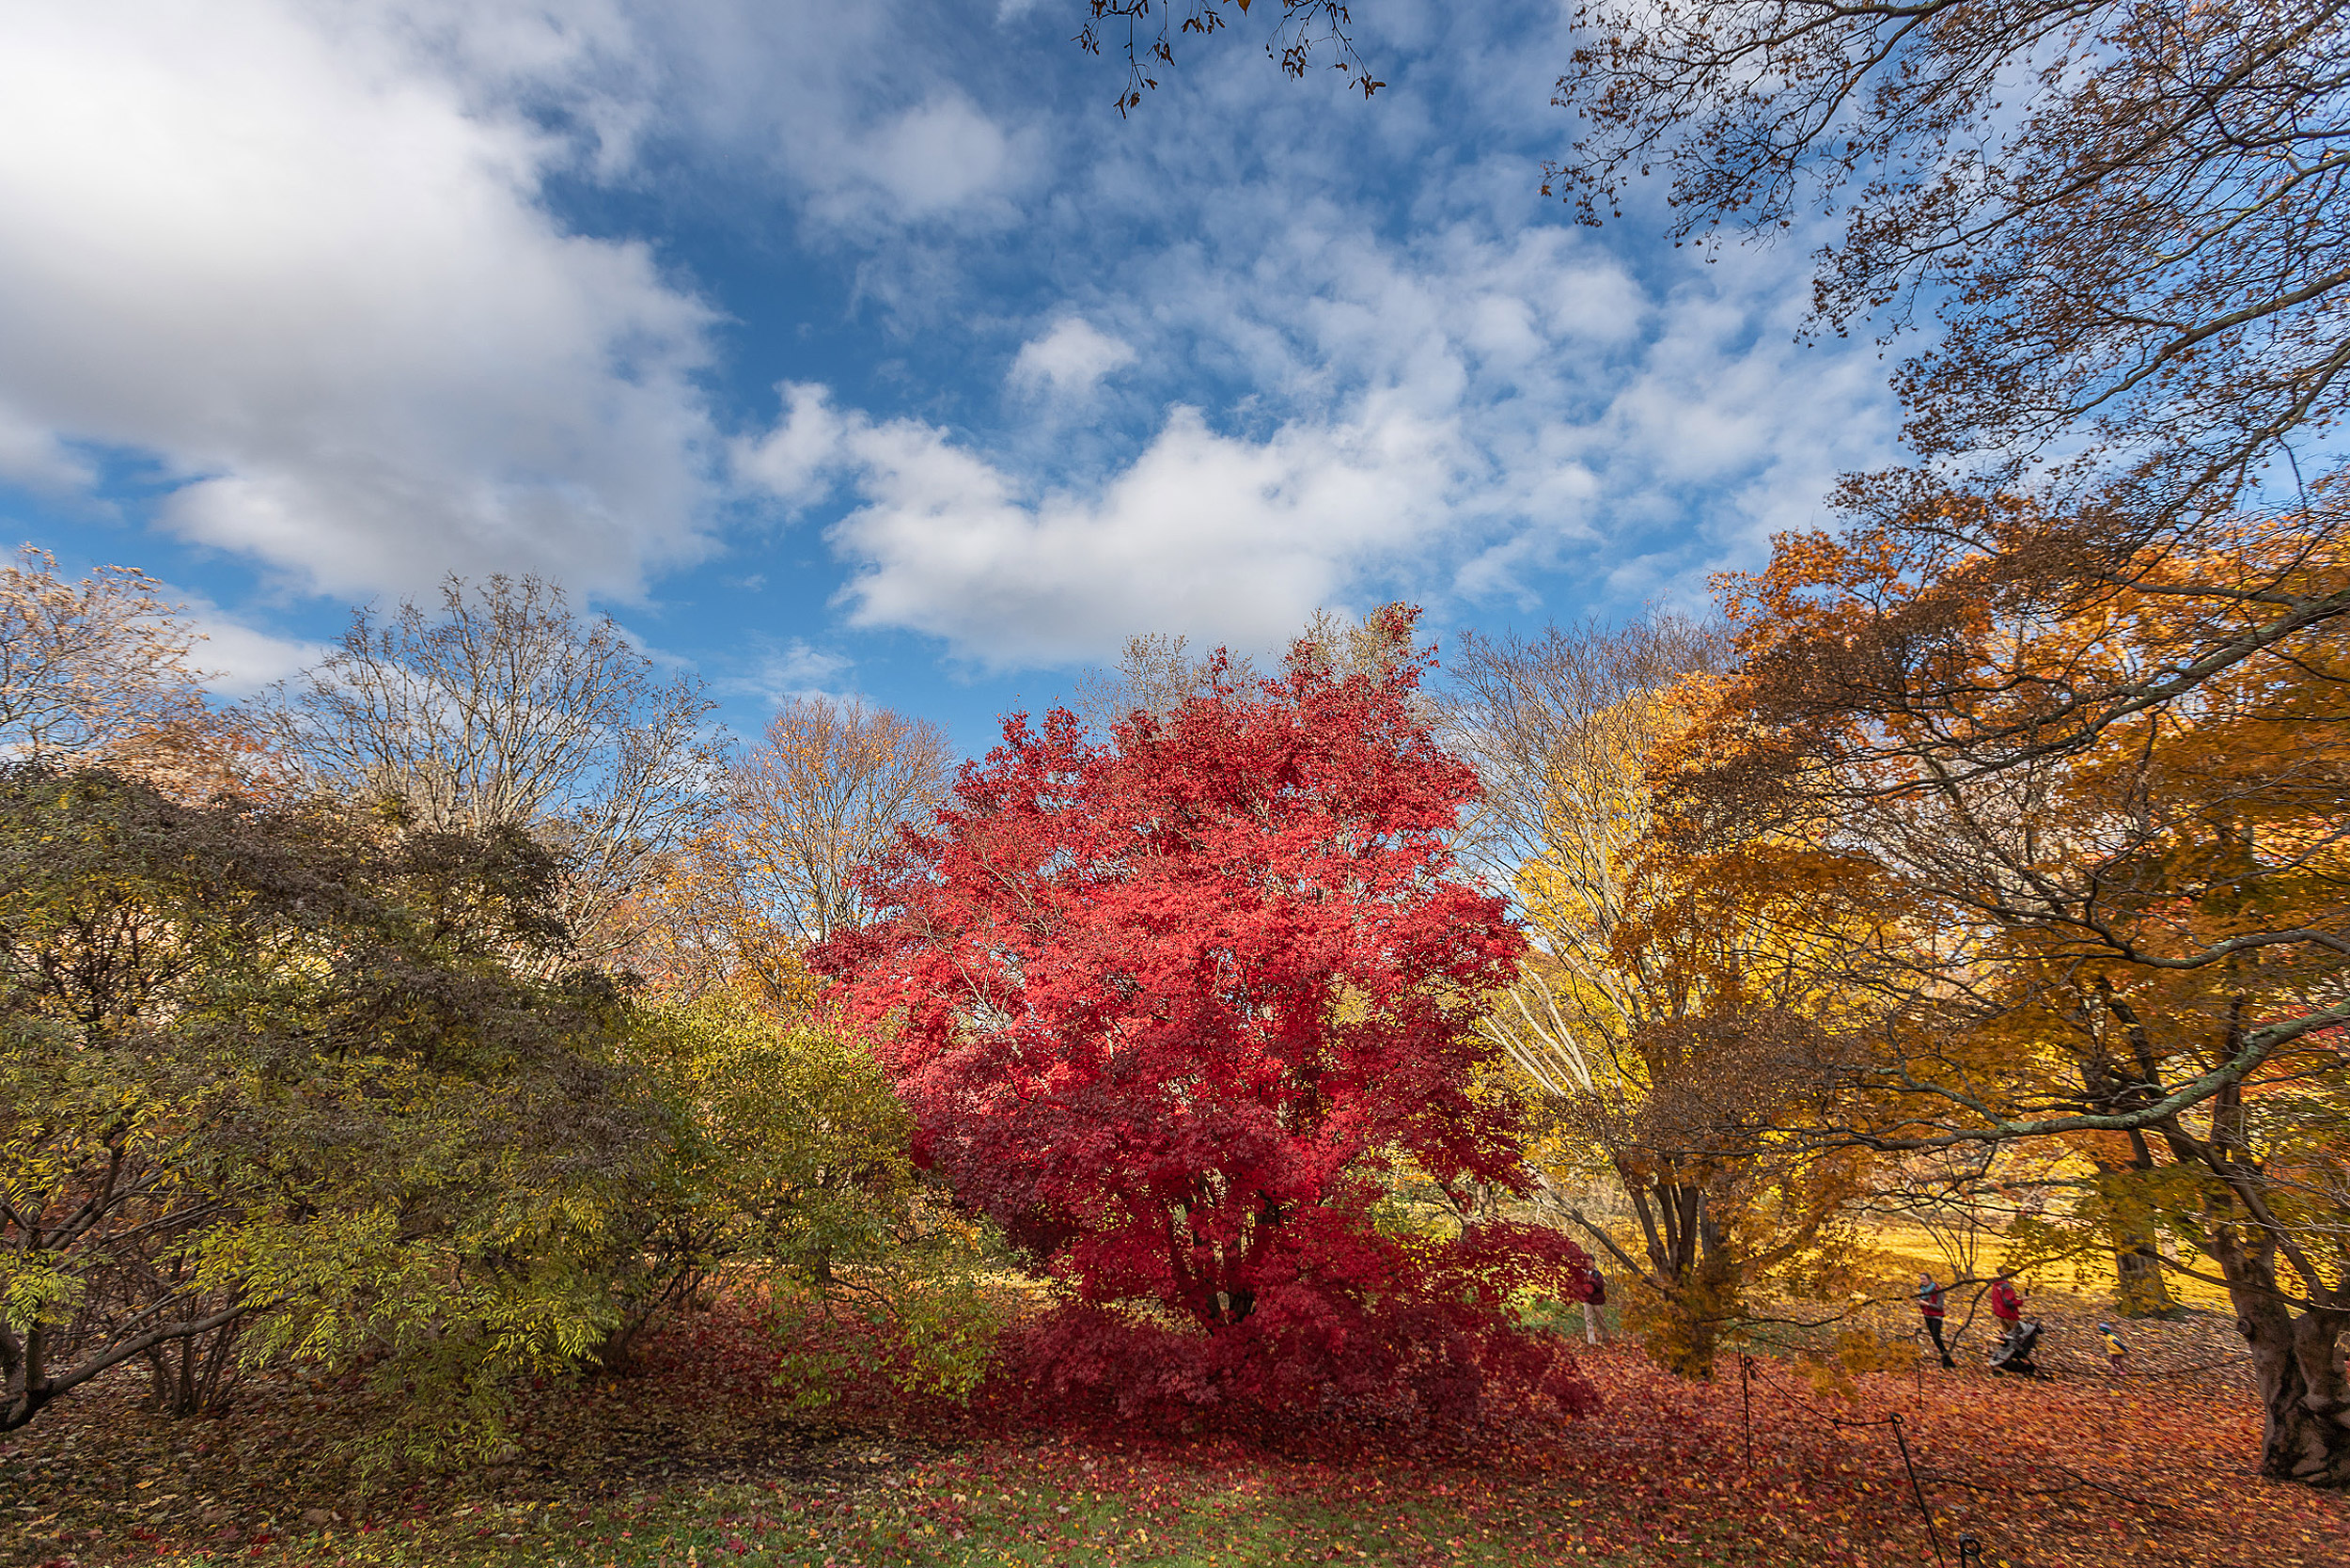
1231 541
776 671
285 255
1234 542
1466 414
797 460
1067 361
240 659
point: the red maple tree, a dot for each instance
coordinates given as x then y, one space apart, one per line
1169 1008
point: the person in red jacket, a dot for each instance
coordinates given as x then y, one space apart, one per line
1595 1310
2007 1305
1930 1306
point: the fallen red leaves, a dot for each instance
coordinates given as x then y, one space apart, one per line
2085 1469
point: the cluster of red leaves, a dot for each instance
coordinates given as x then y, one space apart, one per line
1439 1364
1433 1357
1165 1009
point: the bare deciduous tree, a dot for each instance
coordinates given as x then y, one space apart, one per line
2129 217
86 666
1157 672
1554 716
1154 675
825 790
508 709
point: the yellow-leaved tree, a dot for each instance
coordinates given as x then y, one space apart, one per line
801 1170
1679 1001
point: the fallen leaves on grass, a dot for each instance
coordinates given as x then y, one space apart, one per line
696 1455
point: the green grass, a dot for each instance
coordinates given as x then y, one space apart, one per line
1010 1506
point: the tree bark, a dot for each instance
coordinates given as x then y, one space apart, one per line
2297 1368
2141 1289
2307 1435
194 1375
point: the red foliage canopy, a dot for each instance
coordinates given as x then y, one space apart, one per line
1167 1008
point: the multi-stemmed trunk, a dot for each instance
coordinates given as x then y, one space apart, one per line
194 1376
2296 1368
1689 1269
2293 1325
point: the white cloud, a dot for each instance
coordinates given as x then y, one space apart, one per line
941 161
775 672
937 155
31 454
797 461
240 659
293 255
1229 541
1067 361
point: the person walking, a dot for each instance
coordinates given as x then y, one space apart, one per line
1931 1306
1594 1311
2115 1349
2007 1305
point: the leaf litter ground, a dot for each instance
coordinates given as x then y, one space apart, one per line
699 1460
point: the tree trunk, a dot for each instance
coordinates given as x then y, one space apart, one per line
195 1374
2140 1291
2298 1371
1691 1282
23 1383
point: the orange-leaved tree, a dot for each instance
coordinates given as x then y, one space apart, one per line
2116 803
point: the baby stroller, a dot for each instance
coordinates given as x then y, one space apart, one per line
2013 1354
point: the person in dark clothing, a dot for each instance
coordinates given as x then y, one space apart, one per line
1931 1307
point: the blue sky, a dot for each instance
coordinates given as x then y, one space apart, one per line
865 348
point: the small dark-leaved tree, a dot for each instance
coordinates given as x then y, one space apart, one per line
277 1080
1172 1010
